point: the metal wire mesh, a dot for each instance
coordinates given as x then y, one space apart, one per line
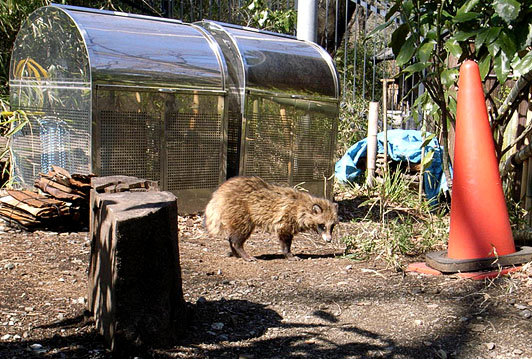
268 145
193 142
53 137
130 144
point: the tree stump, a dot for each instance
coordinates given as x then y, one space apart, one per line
135 289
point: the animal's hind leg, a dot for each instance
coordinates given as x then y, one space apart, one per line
286 242
236 242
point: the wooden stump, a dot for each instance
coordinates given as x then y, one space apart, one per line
135 290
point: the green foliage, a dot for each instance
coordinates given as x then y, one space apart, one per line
402 226
10 124
12 14
497 34
393 190
352 124
259 15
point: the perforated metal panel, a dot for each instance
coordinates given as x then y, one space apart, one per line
233 143
268 147
314 148
193 142
53 137
130 144
294 147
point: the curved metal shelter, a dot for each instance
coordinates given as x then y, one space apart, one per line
282 106
112 93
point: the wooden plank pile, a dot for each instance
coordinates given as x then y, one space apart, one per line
30 209
63 201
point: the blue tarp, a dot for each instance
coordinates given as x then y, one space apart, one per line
403 145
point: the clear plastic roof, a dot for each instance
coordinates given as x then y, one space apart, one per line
69 44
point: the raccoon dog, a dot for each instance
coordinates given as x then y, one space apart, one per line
242 204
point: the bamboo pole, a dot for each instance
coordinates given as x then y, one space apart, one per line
385 119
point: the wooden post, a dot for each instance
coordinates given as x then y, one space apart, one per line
373 118
421 167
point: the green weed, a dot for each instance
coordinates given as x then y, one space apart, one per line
397 224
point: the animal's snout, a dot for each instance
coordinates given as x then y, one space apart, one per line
326 237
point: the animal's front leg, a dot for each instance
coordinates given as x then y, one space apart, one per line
286 242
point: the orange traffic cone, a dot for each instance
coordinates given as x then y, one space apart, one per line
480 227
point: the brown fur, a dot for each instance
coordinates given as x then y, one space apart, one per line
242 204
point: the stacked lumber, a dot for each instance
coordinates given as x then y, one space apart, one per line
63 201
61 185
31 209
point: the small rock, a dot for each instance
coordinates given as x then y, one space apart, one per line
80 300
427 343
217 326
490 346
417 290
246 356
219 272
349 267
201 300
526 314
61 279
442 354
36 346
520 306
6 337
418 322
517 352
9 266
477 327
16 337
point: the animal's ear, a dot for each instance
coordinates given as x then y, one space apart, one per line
316 209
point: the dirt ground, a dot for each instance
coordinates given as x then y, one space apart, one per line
322 306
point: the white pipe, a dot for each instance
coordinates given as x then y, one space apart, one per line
371 151
307 20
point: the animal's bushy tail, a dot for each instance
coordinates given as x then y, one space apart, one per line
212 219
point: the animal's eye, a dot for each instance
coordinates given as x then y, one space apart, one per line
321 227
